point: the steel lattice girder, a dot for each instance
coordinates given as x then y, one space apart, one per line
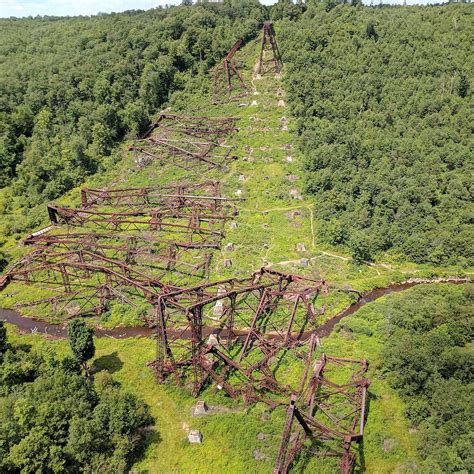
227 77
195 222
140 249
270 59
214 128
85 279
168 243
330 414
181 196
188 141
276 309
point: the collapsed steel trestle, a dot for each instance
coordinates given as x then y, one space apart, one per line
188 141
330 414
276 309
228 82
148 235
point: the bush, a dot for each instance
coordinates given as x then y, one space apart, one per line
356 326
54 420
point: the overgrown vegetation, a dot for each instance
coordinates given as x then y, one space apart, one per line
425 352
52 419
395 162
383 98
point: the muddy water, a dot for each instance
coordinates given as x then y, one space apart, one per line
35 326
30 325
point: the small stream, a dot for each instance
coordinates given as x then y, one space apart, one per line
36 326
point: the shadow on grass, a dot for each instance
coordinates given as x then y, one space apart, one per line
149 436
111 363
361 465
24 347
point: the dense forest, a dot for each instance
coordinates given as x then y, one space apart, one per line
426 339
74 87
53 418
383 98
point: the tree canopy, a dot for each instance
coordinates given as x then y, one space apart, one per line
53 420
383 101
426 337
72 88
81 339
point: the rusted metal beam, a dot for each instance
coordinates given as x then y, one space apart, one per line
328 412
231 304
270 58
228 83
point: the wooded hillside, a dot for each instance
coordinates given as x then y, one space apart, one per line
74 87
383 98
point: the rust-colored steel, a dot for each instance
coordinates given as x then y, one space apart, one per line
87 280
270 59
213 128
144 251
330 414
188 142
182 196
157 235
228 82
275 308
142 219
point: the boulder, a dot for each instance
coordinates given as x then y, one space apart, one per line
304 262
259 456
212 340
219 307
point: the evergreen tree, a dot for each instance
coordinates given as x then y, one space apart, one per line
81 339
370 31
463 88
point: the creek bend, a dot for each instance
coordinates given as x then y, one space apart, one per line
59 331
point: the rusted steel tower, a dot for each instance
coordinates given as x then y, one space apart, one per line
193 323
270 59
227 78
